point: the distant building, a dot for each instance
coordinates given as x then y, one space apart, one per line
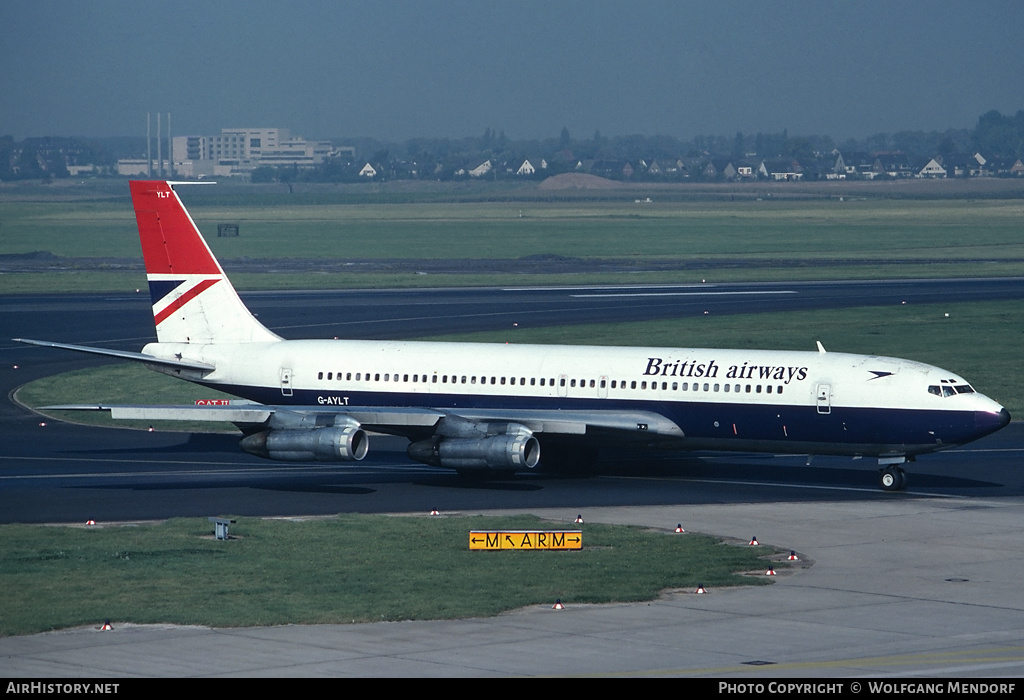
133 166
240 151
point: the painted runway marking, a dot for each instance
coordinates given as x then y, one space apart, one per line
678 294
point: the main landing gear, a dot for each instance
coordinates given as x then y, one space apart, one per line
891 476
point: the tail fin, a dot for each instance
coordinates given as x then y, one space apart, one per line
193 301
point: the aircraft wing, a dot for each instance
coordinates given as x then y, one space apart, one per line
399 420
233 413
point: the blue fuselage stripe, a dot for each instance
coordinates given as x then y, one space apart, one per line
706 425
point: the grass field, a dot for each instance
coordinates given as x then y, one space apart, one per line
747 240
353 568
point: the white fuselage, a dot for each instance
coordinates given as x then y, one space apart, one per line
717 398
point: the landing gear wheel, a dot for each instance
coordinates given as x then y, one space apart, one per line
893 478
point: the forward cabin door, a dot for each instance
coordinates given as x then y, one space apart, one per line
286 381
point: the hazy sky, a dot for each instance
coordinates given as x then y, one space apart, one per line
396 69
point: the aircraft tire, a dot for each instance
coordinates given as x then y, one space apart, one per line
893 479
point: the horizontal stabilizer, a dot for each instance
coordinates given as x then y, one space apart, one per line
122 355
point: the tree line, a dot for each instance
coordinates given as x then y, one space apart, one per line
994 136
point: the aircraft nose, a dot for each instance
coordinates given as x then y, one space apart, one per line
989 421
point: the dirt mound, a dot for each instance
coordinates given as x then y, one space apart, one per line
578 181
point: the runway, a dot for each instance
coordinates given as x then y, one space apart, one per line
898 606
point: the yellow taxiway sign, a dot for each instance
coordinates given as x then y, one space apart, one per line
526 539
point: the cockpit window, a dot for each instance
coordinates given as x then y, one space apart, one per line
950 389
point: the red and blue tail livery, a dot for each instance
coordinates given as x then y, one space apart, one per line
498 408
193 301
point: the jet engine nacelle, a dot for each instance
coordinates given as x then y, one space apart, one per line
333 444
518 451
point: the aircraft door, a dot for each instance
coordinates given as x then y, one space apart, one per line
602 387
286 381
824 399
563 384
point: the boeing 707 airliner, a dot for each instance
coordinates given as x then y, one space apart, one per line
491 409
